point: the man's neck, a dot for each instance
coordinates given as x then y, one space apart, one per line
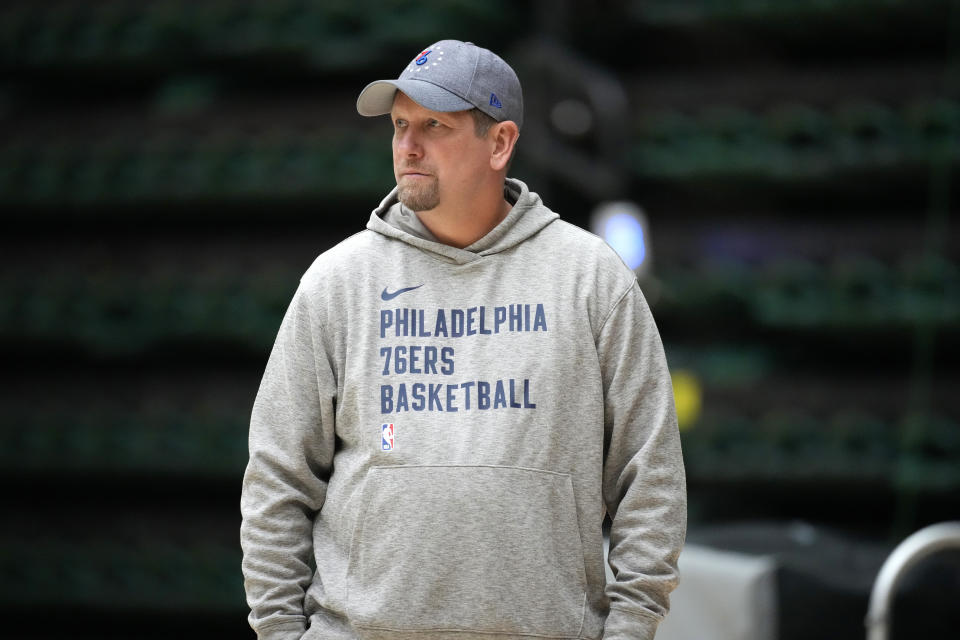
462 226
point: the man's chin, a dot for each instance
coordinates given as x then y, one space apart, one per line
417 208
418 201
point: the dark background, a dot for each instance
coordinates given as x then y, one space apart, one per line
169 168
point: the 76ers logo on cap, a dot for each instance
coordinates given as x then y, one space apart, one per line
422 58
386 437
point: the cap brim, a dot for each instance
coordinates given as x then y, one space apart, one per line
376 99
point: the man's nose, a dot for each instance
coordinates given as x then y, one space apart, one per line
408 145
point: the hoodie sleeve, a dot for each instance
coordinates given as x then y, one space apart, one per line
644 485
285 483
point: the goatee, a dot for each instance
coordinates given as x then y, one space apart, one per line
422 195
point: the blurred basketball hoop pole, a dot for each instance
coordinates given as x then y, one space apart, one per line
908 553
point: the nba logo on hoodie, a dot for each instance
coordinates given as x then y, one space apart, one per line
386 437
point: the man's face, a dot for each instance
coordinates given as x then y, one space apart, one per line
437 157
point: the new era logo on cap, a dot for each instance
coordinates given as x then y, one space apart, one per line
495 101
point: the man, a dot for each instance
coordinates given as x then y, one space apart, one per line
456 396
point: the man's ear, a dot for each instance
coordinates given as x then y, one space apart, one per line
504 137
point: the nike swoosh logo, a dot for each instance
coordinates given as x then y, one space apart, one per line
390 296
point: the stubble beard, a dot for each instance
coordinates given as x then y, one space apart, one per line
423 195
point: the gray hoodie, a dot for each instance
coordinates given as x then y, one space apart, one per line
441 430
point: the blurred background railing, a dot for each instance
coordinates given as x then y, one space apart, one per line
168 169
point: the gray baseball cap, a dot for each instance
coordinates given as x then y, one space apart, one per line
451 76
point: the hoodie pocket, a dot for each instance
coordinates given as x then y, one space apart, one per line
467 548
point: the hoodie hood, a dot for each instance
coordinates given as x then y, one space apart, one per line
527 217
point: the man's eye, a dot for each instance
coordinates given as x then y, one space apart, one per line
433 123
400 123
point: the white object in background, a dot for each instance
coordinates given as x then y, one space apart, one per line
722 596
623 225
